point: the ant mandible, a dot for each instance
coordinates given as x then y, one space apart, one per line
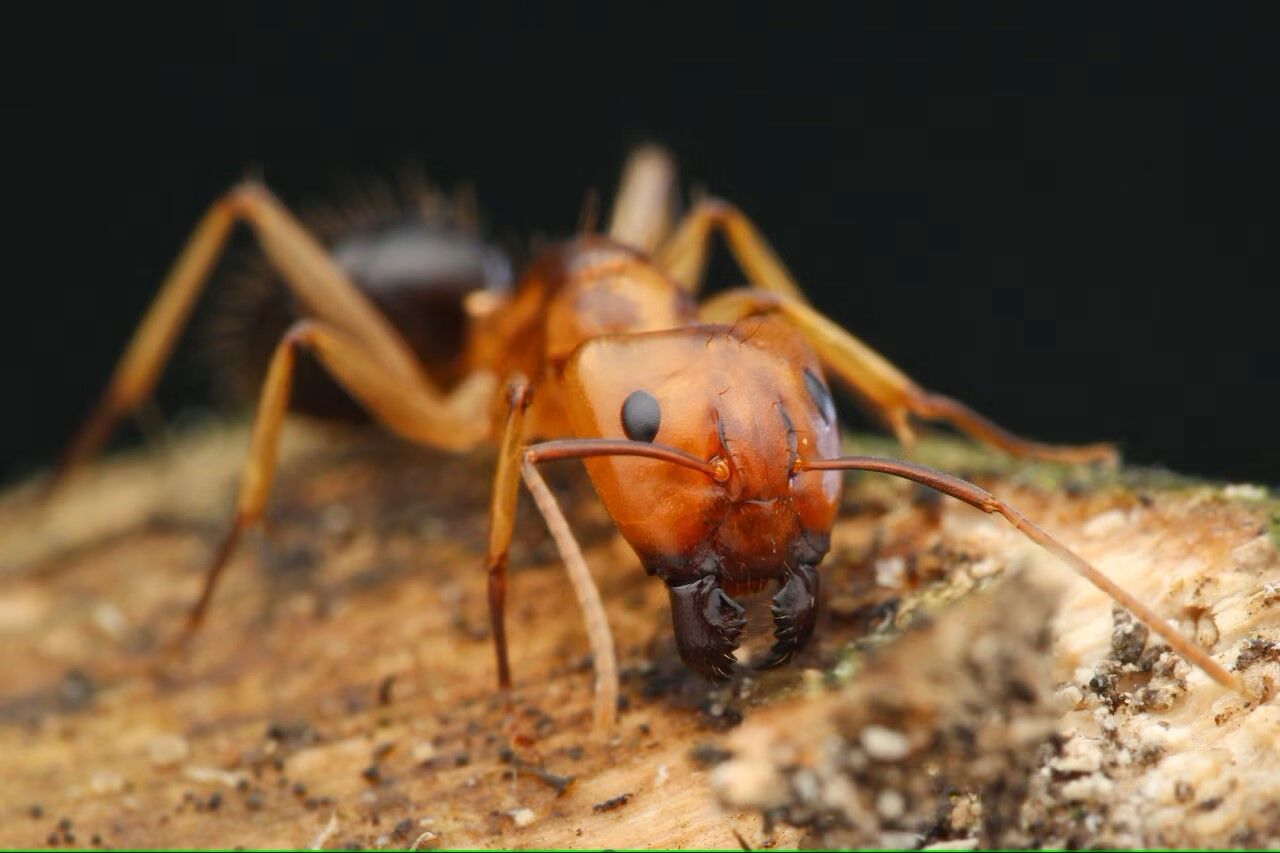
708 431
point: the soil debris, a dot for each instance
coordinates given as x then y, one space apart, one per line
612 803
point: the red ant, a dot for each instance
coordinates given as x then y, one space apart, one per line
708 431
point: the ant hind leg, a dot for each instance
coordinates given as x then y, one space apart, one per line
322 287
881 386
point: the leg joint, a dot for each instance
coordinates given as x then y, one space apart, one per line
244 196
716 210
519 392
301 333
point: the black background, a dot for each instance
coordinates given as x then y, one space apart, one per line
1065 218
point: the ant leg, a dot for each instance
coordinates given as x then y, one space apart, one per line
684 255
982 499
889 392
502 515
603 656
643 209
311 274
459 422
708 626
795 612
515 461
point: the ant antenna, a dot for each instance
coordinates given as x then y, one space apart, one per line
989 503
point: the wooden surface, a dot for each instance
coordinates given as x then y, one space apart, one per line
342 692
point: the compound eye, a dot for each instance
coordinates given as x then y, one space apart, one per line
641 416
821 396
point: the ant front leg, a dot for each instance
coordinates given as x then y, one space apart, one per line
708 626
502 517
515 461
886 390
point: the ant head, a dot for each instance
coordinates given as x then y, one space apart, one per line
749 400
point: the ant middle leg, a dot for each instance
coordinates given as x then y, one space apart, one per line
684 255
458 422
889 392
886 390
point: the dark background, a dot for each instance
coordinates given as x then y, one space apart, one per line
1065 218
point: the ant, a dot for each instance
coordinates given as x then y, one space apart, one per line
708 431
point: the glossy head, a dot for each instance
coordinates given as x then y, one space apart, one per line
752 396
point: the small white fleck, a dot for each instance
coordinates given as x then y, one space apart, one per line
1105 523
104 782
197 773
1070 695
1092 788
109 620
889 571
884 744
1245 492
423 750
168 750
523 817
985 568
890 805
1079 755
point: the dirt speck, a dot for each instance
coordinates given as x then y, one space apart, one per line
613 803
1257 650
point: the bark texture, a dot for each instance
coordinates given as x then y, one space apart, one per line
342 693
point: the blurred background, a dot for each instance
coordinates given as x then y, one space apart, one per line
1066 219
